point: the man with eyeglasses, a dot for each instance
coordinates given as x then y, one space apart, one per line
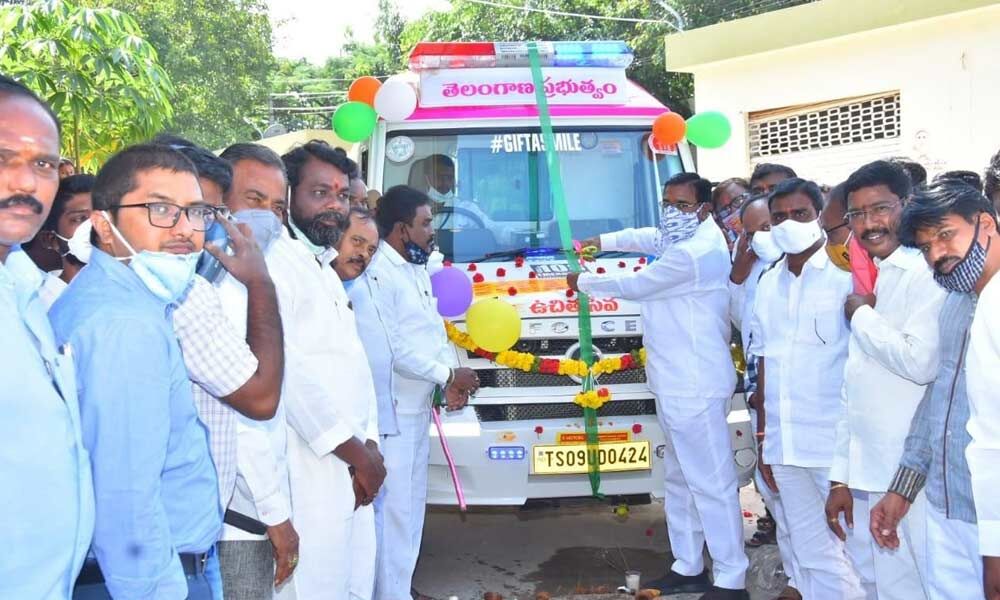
892 356
157 496
684 300
799 334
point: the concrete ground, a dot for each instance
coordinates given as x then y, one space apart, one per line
568 549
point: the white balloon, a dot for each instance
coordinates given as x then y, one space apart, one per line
395 100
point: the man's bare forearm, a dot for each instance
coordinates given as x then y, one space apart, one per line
258 397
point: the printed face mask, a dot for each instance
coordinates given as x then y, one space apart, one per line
966 273
675 226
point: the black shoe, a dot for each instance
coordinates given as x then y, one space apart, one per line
674 583
717 593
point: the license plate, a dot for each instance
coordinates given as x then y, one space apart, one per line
565 460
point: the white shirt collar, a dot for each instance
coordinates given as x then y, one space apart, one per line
391 254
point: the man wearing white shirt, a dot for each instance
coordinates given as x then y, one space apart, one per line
256 557
335 468
756 251
892 356
684 302
799 334
422 362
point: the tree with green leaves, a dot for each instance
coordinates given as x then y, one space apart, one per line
96 70
218 55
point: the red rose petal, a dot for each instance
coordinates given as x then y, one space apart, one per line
637 428
471 267
642 260
636 269
539 429
512 291
601 270
532 275
501 272
478 278
621 264
447 263
569 293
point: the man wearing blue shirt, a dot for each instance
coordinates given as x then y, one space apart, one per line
45 483
158 513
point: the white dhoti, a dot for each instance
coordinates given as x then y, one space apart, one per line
401 506
701 500
898 574
954 566
323 514
825 573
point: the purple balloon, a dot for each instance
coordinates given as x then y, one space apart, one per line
453 291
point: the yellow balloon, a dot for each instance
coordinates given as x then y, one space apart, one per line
493 324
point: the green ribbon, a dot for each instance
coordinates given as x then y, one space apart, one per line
566 238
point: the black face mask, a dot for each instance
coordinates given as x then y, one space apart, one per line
966 273
414 253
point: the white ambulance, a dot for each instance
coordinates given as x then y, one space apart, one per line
474 145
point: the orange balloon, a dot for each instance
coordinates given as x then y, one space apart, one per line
669 128
363 89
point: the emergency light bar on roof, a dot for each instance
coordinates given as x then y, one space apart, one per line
465 55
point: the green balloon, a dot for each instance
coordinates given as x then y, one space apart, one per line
354 121
708 129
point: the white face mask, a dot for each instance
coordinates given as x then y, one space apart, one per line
794 237
446 199
79 243
165 274
764 246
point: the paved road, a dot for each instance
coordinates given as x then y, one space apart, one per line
575 546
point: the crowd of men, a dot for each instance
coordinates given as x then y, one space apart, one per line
189 421
870 329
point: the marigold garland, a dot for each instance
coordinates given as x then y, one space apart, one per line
529 363
593 399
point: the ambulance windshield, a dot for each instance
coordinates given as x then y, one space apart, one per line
491 190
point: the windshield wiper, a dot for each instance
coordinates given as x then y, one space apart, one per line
525 251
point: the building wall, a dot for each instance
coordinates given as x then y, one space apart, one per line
945 68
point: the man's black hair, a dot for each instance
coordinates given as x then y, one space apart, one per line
797 185
702 187
916 171
11 87
118 175
931 205
255 152
320 150
209 166
399 205
762 170
970 178
722 185
68 187
66 161
991 179
880 172
441 160
752 199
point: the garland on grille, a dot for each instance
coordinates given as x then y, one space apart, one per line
529 363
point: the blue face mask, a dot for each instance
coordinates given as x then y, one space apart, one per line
265 225
165 274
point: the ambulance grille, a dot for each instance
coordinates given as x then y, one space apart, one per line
512 378
493 413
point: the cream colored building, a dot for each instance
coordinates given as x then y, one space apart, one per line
827 86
